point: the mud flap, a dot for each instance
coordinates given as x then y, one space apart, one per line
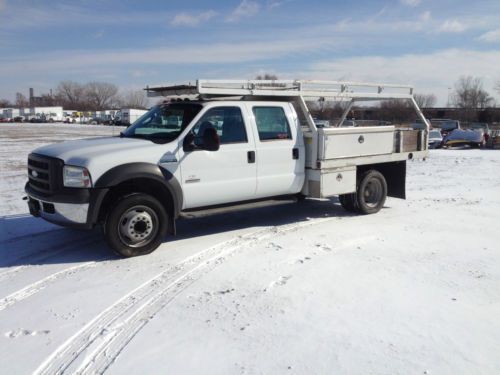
395 175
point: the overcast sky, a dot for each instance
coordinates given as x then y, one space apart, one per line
426 43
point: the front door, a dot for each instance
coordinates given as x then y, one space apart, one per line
228 174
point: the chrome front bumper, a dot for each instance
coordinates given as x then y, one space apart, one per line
59 213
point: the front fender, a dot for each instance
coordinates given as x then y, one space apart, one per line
126 172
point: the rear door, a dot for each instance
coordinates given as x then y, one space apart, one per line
228 174
279 147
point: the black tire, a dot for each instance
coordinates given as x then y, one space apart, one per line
300 197
136 225
371 192
348 202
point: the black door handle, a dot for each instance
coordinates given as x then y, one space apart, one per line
251 157
295 153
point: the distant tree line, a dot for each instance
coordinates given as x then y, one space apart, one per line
91 96
468 96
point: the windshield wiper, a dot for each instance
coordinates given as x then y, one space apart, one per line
142 136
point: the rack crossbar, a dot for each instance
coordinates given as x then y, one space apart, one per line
335 90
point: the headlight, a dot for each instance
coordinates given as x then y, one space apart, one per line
76 177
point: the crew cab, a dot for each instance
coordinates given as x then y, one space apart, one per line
192 154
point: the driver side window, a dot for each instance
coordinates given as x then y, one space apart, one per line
226 121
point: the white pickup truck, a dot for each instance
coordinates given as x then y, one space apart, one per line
234 141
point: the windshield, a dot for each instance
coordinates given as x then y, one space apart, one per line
435 134
478 125
163 123
445 125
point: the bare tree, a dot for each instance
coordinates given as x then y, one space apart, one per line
396 110
326 110
101 95
497 86
71 94
425 100
5 103
266 77
135 99
21 101
47 100
469 95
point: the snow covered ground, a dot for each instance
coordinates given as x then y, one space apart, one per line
297 288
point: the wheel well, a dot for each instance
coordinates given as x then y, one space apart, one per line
140 185
394 174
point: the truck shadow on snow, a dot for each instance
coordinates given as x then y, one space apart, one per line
25 240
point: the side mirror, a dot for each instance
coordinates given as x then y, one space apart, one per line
188 144
211 141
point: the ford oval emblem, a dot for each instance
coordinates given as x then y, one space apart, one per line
34 173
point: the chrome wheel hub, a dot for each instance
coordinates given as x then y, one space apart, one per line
137 226
373 193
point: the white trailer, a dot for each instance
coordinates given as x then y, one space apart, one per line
10 113
48 114
127 116
26 114
69 115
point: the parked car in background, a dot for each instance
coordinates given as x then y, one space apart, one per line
418 124
480 126
322 123
494 139
348 123
435 139
69 116
464 138
445 125
127 116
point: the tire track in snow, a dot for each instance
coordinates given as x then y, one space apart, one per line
119 335
41 284
102 340
11 270
41 256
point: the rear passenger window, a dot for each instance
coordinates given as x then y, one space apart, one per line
271 123
227 122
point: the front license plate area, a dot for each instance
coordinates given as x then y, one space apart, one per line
34 207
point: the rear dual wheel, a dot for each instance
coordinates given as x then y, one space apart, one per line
370 194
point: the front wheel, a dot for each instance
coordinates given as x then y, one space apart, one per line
371 192
136 225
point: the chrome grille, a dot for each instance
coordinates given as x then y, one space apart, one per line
39 173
